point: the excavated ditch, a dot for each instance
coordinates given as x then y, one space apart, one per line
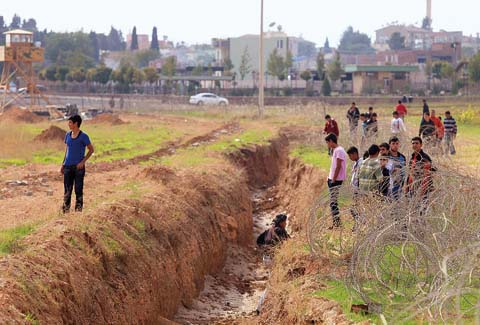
185 254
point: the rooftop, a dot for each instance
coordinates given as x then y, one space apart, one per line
380 68
18 32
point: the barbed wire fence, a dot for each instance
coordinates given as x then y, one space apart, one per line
416 257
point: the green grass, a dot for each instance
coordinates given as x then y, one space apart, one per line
208 154
30 318
337 291
252 136
111 143
9 238
312 156
12 162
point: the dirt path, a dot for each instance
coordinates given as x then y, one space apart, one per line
33 193
235 292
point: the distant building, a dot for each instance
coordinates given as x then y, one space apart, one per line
272 40
143 41
385 79
416 38
222 49
448 52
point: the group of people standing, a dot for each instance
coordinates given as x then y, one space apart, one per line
437 134
383 171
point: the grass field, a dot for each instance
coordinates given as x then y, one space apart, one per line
143 136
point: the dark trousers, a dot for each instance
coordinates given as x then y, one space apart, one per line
334 190
73 178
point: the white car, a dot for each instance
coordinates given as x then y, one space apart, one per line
208 99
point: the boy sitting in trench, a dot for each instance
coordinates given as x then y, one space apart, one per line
277 232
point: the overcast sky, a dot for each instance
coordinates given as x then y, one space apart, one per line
197 21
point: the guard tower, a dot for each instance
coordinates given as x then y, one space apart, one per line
18 56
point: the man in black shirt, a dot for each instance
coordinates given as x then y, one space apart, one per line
427 129
426 109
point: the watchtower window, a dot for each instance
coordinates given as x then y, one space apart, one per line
18 38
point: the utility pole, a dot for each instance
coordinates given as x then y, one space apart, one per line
261 89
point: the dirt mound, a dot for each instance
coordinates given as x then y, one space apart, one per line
17 114
53 133
111 119
132 262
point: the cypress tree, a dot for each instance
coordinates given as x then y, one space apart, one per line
134 44
154 45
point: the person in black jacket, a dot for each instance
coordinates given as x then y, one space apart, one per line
353 115
420 180
426 109
277 233
427 129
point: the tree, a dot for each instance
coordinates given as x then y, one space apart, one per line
151 75
50 73
102 74
3 29
326 88
396 41
198 70
134 43
288 62
95 46
335 69
169 68
427 23
154 44
355 42
16 22
78 75
306 75
227 66
70 49
245 67
276 65
447 71
30 25
326 47
143 57
320 65
138 76
115 40
61 73
474 68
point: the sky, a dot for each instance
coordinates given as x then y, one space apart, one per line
197 21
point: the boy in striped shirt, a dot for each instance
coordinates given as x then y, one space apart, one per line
450 126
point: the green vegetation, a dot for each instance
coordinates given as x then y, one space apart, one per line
12 162
337 291
208 154
312 156
30 318
9 238
111 143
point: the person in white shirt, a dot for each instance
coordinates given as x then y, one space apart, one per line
336 177
397 126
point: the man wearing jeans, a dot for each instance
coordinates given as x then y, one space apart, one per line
73 167
338 173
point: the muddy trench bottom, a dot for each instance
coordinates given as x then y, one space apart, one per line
235 292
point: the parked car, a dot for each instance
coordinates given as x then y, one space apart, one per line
208 99
39 88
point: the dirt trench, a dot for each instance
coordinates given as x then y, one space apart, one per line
185 254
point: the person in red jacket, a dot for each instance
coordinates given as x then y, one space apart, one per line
439 129
401 110
331 126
